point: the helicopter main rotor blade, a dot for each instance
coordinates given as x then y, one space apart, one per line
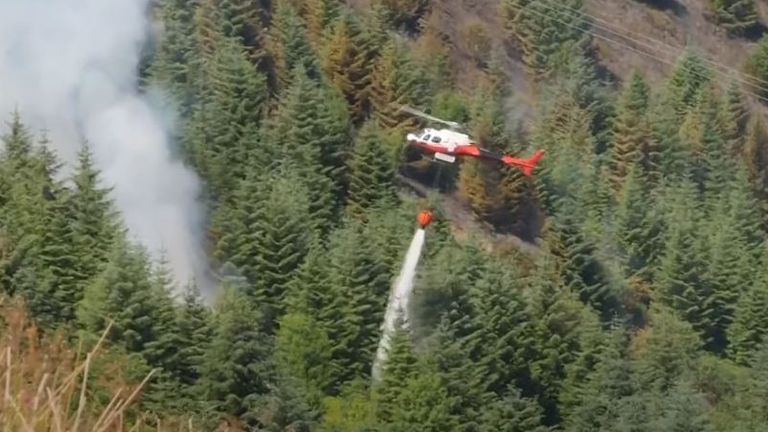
430 117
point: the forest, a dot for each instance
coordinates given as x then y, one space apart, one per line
642 305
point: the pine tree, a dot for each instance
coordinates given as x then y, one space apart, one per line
404 14
55 289
319 15
194 329
399 367
638 226
235 369
360 284
689 78
289 45
513 413
310 133
735 118
664 350
303 352
556 316
750 322
123 293
223 128
756 155
632 135
591 403
269 238
371 172
504 328
171 64
347 65
736 16
543 33
94 218
422 403
393 84
680 278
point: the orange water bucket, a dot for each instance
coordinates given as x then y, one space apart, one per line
424 218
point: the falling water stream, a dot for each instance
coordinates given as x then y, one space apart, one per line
398 299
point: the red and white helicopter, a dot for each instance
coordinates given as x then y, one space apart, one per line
447 144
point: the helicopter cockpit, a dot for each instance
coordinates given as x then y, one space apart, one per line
430 135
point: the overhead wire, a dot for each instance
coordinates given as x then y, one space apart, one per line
651 55
674 50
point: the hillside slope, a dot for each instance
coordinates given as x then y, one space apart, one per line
644 35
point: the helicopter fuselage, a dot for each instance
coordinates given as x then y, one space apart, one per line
447 144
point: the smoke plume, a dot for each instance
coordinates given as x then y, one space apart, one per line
70 68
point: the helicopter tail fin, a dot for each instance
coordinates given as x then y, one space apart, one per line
526 165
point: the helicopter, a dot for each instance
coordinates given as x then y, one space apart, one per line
448 143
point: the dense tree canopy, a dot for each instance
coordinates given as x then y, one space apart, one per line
643 307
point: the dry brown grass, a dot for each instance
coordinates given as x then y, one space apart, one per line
48 386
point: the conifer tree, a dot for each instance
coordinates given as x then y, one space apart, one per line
399 367
269 236
632 138
173 60
513 413
393 84
124 293
319 15
94 219
404 14
682 266
664 350
194 329
555 311
243 20
303 352
543 33
735 118
360 284
689 78
756 155
504 331
51 280
310 291
310 132
750 322
346 63
595 401
235 369
638 226
371 174
736 16
222 131
289 46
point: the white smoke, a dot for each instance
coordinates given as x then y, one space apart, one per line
70 67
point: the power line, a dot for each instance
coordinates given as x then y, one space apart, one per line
676 51
673 64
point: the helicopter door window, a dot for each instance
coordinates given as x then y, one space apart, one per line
426 137
436 139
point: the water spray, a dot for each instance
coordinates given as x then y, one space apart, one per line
400 295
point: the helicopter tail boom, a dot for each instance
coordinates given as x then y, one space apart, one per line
526 165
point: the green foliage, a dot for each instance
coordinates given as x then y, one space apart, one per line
632 143
642 308
736 16
371 175
303 352
235 370
308 133
395 83
544 33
